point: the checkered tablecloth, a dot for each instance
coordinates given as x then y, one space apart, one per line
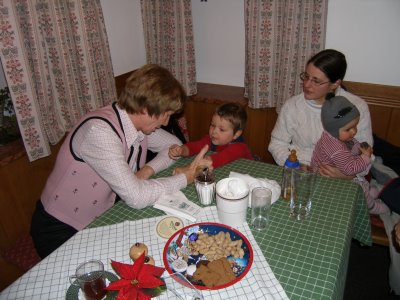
309 258
49 279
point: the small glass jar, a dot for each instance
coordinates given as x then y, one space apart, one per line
205 185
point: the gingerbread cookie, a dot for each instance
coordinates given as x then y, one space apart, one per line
215 273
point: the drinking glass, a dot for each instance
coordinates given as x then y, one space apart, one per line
303 183
89 276
205 185
260 207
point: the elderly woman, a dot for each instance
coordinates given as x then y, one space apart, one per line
104 156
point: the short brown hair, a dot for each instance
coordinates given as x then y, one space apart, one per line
152 88
234 113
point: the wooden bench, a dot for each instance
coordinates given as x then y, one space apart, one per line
378 232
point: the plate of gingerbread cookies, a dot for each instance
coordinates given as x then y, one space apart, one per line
211 256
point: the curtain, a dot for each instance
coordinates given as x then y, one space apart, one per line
57 63
281 35
168 34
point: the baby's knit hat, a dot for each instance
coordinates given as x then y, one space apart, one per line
336 112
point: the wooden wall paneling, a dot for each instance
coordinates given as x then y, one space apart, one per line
379 94
393 133
384 104
380 116
8 273
257 135
198 117
200 108
21 185
13 220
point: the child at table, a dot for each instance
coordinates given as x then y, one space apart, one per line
224 138
338 147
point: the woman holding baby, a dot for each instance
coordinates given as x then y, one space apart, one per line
299 127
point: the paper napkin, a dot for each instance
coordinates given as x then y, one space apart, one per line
178 205
259 182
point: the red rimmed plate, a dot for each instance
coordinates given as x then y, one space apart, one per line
176 253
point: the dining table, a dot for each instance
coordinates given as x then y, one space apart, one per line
308 257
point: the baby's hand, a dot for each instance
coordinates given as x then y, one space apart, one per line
366 149
175 151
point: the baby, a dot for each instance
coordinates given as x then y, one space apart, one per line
224 138
338 147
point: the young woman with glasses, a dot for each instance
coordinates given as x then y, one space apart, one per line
299 122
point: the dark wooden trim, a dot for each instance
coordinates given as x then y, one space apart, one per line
217 93
376 94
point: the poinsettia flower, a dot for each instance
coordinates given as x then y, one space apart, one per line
134 278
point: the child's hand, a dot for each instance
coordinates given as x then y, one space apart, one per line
366 149
175 151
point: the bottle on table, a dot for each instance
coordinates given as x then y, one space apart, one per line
291 163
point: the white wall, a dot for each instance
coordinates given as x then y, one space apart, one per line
367 31
219 41
124 27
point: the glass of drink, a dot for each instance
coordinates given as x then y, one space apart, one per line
205 185
89 276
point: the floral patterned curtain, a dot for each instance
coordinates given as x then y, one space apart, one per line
280 37
57 63
168 34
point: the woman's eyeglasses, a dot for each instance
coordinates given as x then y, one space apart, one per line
305 77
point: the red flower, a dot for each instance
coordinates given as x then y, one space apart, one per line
135 278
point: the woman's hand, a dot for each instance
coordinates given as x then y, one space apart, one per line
145 172
205 162
330 171
190 170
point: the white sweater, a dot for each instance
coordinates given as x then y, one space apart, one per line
299 127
